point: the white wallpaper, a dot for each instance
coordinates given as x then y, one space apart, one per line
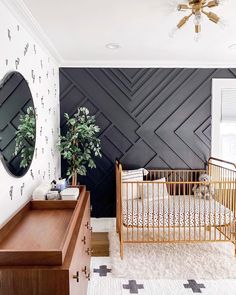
19 52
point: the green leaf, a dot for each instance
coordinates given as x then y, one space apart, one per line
79 145
25 137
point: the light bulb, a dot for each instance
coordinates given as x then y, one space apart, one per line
173 32
173 5
222 1
197 19
222 23
197 37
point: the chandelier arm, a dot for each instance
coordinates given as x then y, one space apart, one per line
197 8
190 15
212 16
183 21
184 7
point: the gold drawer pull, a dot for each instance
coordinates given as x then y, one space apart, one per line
84 240
84 270
88 276
76 277
89 251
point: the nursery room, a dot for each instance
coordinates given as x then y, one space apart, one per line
117 147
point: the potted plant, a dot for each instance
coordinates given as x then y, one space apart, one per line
80 143
25 137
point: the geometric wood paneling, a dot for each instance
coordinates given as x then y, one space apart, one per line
148 118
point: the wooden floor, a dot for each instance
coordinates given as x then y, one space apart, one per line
100 244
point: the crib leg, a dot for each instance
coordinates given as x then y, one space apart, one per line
121 250
117 229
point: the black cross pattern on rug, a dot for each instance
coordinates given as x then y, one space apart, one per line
102 270
133 287
196 288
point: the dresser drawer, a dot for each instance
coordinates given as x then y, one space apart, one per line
70 278
79 271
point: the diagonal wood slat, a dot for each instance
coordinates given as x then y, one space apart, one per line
148 117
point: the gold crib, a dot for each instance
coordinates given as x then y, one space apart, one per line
168 211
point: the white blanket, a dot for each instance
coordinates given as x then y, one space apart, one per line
41 191
175 211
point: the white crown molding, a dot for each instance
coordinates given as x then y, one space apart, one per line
144 64
24 16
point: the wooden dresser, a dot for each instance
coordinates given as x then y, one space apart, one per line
45 249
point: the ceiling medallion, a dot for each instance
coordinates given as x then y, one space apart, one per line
197 9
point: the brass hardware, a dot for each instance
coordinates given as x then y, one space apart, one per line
88 276
212 3
197 29
87 224
183 21
212 17
84 270
197 8
183 7
84 240
89 251
76 277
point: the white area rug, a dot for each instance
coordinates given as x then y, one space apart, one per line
111 285
173 261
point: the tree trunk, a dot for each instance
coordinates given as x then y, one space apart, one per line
74 179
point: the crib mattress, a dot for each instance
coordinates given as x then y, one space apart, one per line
170 212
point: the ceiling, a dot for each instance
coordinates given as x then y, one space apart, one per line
80 29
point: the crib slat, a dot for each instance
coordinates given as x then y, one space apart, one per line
132 227
174 199
153 228
163 212
215 215
148 215
184 208
142 214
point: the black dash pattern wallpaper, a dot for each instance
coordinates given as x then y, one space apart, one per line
154 118
20 52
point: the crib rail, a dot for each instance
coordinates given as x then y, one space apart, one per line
180 217
177 207
216 161
224 171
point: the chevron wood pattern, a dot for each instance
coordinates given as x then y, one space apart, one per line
148 118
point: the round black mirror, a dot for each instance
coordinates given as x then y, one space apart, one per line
17 124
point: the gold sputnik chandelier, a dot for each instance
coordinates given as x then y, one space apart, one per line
198 8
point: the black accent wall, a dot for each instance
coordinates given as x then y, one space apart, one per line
155 118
